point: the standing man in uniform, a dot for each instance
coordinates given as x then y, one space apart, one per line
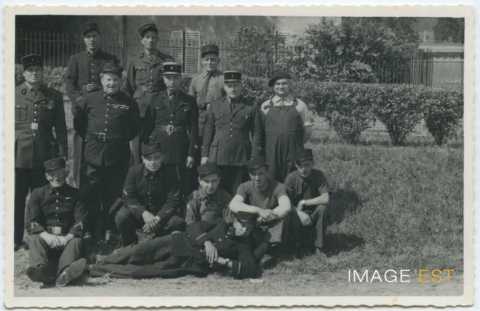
83 77
152 198
171 120
39 114
228 128
207 86
55 225
107 119
144 76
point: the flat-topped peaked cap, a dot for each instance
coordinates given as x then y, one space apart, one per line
232 76
31 60
54 164
172 68
89 27
305 155
277 76
148 149
207 169
209 49
147 27
111 67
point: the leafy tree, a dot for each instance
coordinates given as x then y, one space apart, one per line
449 29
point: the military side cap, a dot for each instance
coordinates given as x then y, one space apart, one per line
31 60
232 76
208 169
110 67
148 149
89 27
277 76
54 164
147 27
305 155
209 49
256 163
172 68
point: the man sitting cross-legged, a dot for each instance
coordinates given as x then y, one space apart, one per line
152 199
234 248
308 191
55 224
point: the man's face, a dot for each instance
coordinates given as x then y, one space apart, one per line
56 178
110 82
304 168
172 81
91 40
33 74
149 40
153 161
209 184
210 62
281 87
232 89
259 178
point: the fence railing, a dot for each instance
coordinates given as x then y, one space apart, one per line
57 47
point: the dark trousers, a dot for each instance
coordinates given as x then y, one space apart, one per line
103 186
127 224
232 177
314 234
56 260
25 181
185 177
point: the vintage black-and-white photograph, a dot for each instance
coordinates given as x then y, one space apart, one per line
238 155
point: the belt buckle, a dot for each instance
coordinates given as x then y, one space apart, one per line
102 136
169 129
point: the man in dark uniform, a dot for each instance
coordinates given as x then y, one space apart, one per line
209 203
152 198
83 77
144 76
40 134
207 86
107 120
55 225
171 120
228 128
307 188
235 248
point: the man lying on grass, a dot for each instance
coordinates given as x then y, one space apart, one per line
266 199
307 189
232 247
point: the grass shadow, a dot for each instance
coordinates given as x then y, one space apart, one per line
342 203
336 243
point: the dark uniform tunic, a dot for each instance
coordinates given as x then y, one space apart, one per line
107 123
172 121
299 188
60 212
183 253
144 77
226 141
40 134
210 208
155 192
280 134
83 68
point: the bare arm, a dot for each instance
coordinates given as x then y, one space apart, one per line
237 205
283 207
320 200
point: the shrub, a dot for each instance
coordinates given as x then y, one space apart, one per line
398 107
442 112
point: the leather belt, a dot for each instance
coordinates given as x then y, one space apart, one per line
102 137
170 129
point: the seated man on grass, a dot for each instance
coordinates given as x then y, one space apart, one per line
55 226
267 199
234 248
307 189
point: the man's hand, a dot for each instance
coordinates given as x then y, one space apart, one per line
266 215
204 160
189 162
147 217
150 222
52 241
301 205
211 252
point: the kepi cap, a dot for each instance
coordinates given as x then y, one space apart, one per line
172 68
111 67
277 76
232 76
54 164
256 163
31 60
148 149
89 27
147 27
305 155
209 49
207 169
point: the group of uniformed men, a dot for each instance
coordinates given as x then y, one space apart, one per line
190 183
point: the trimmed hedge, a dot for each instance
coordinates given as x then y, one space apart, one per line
351 107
